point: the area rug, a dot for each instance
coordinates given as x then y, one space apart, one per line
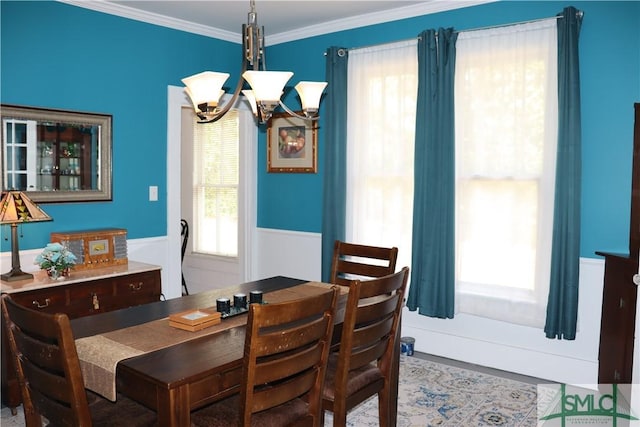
434 394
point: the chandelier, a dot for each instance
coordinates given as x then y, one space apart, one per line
205 89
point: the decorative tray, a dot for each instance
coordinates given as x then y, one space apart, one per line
235 311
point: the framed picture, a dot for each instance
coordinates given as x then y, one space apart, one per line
292 144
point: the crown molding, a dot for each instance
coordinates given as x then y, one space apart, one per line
426 8
156 19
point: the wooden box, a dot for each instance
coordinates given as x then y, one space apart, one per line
95 248
195 320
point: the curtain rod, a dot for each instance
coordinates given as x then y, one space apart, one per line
579 14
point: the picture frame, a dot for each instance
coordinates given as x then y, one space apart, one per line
292 144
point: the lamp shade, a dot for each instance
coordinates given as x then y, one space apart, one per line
267 85
17 207
252 100
310 93
205 87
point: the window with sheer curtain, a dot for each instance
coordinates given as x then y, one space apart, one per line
506 138
382 82
506 131
215 186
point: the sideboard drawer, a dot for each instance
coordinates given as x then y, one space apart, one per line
138 285
84 299
47 300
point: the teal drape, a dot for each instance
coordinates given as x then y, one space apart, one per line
334 198
562 305
432 290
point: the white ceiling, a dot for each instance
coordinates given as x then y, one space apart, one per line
284 20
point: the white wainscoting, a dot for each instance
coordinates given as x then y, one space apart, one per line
288 253
520 349
485 342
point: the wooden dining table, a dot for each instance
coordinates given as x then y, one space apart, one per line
180 378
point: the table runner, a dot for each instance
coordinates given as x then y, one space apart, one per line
99 354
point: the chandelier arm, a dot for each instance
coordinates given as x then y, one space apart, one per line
293 113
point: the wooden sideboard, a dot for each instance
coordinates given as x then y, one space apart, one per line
84 293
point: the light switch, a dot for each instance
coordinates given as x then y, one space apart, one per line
153 193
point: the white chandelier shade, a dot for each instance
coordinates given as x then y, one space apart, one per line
248 93
310 93
203 87
267 86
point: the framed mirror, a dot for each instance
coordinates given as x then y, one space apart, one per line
56 155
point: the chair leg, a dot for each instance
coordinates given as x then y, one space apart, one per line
339 417
185 291
383 407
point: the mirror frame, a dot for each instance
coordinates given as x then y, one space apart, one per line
64 116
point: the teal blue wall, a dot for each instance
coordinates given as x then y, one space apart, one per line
60 56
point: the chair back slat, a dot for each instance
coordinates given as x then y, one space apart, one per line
293 338
285 391
43 355
286 353
372 333
282 367
360 262
364 356
371 308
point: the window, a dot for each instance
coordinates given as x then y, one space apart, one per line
215 186
506 137
381 109
19 154
506 131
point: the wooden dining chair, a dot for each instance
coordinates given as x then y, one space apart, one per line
364 365
285 357
48 370
352 261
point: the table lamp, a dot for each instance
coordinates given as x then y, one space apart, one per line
16 208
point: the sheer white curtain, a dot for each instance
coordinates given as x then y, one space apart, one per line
506 137
382 82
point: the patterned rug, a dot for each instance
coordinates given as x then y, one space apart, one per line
434 394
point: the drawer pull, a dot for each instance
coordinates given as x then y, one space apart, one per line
95 302
135 287
38 305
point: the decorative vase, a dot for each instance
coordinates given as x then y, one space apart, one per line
58 274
